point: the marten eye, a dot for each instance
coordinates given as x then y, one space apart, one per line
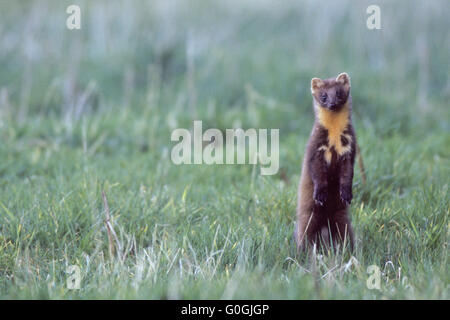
323 97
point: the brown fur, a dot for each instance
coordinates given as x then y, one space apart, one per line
325 189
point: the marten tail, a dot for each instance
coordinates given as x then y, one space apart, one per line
361 164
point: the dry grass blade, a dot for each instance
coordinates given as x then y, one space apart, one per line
110 230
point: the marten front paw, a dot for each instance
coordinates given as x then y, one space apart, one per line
346 195
320 196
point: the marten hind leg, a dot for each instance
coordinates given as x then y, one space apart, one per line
342 229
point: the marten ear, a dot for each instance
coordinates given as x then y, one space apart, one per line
343 78
316 83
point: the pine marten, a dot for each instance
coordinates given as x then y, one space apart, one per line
325 188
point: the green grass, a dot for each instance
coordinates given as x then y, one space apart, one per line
93 110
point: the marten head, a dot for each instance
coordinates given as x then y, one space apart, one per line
331 94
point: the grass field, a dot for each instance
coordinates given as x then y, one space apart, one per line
92 110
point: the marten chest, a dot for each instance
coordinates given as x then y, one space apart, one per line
336 138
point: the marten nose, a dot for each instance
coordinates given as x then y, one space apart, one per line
331 102
332 105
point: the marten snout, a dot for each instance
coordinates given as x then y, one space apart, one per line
332 100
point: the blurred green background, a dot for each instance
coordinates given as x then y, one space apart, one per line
88 110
